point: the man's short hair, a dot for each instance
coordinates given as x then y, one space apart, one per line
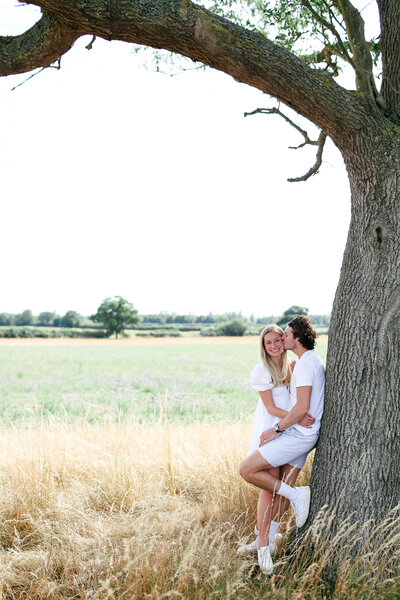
303 330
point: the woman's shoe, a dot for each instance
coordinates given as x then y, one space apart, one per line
274 545
252 547
265 561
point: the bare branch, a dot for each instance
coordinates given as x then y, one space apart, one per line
90 44
318 161
320 142
56 66
276 111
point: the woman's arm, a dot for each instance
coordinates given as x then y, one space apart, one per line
268 401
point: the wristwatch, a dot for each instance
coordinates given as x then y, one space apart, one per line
276 428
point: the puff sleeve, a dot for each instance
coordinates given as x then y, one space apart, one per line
260 379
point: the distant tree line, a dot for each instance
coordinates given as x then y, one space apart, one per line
45 319
165 318
116 314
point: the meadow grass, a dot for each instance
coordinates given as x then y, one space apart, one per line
158 511
139 382
118 467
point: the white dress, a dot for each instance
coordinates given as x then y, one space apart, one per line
260 380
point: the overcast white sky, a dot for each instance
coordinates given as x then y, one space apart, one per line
116 180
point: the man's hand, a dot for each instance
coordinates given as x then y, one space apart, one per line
267 436
300 409
307 421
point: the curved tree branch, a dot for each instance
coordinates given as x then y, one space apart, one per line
40 46
362 59
320 142
318 161
56 65
276 111
186 28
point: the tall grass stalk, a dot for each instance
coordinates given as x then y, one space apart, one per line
129 511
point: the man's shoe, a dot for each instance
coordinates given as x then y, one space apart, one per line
265 561
252 547
301 506
274 545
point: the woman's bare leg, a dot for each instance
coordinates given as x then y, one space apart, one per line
265 510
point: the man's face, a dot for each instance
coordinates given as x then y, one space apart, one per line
288 339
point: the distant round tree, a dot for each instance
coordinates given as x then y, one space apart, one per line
46 318
290 313
116 314
71 319
6 319
236 327
24 318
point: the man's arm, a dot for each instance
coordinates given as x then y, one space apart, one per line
300 409
298 412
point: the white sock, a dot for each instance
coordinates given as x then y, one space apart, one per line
272 530
288 492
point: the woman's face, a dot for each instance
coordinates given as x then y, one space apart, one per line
273 344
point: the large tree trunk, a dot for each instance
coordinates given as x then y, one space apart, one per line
356 466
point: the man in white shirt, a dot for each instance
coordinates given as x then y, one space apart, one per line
288 442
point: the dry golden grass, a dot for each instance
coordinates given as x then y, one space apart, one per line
125 511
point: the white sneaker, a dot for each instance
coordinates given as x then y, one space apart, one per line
301 506
274 545
265 561
252 547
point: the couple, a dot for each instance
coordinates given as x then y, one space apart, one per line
285 429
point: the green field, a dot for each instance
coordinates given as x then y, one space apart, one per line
148 502
141 383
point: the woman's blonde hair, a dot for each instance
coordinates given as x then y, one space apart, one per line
278 377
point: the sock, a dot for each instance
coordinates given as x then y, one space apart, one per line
287 491
272 530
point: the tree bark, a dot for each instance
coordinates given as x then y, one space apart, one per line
390 44
356 466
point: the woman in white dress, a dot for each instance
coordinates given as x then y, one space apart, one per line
271 379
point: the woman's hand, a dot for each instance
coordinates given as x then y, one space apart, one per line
307 421
267 436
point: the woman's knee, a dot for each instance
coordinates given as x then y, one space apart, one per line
244 470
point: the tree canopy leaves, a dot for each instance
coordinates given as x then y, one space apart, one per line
116 314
